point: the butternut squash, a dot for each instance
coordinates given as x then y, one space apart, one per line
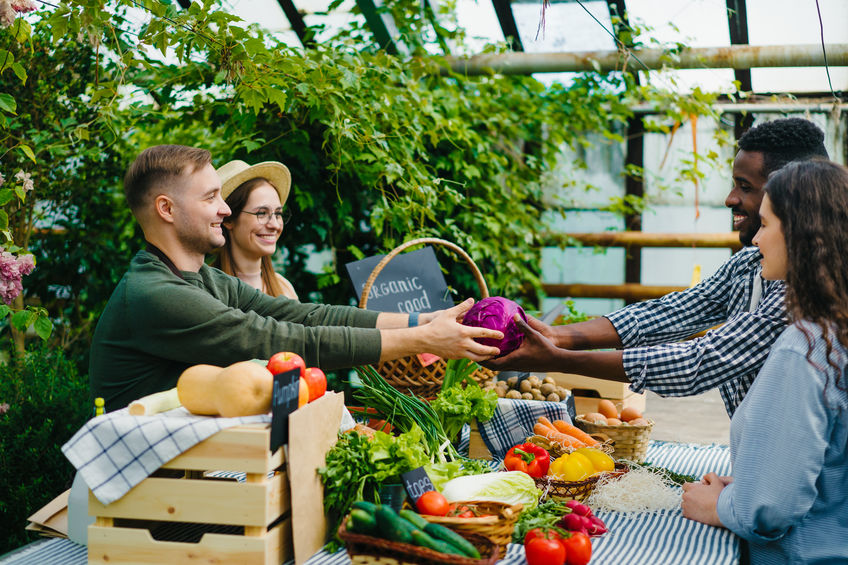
196 389
243 389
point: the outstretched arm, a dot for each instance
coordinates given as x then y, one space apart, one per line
539 353
442 335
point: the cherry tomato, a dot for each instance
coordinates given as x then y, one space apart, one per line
433 503
541 533
541 551
578 548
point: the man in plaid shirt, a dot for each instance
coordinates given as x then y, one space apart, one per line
646 335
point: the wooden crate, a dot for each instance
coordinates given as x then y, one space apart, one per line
180 494
260 521
476 446
588 390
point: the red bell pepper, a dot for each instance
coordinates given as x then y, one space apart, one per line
529 458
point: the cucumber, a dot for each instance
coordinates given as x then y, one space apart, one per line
446 534
415 518
422 539
369 507
361 522
391 526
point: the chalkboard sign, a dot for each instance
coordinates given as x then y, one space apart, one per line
410 282
416 482
284 400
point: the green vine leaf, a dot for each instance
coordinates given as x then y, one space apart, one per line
27 150
22 319
43 326
7 103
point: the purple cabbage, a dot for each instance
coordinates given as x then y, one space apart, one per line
497 313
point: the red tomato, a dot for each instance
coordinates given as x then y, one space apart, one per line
317 381
541 533
541 551
433 503
578 548
285 361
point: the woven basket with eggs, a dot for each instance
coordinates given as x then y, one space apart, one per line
628 429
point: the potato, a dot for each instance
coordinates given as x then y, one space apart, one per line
512 381
562 391
549 381
526 396
500 392
525 386
534 381
547 388
553 397
537 395
513 394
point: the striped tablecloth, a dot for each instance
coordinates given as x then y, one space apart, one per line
663 538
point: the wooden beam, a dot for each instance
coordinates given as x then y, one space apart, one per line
630 292
297 22
503 9
644 239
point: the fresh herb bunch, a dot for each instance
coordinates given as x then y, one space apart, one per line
676 478
544 516
456 405
404 412
356 467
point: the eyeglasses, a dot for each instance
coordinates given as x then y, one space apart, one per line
264 216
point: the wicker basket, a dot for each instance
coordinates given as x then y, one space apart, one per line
408 374
497 525
629 442
368 550
574 490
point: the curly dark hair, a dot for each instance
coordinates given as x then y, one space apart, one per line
810 198
784 140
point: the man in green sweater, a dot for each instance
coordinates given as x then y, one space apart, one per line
171 311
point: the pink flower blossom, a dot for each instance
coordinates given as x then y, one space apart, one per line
23 6
2 180
12 269
7 13
4 407
26 179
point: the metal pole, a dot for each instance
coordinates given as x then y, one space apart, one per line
733 56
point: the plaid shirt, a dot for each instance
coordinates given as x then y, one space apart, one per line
728 357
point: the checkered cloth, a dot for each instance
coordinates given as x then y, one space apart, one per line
116 451
513 422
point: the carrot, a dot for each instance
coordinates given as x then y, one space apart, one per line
559 437
566 428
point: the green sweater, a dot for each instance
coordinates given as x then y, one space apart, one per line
156 324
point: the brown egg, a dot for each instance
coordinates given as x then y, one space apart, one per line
607 408
613 422
595 418
629 413
638 422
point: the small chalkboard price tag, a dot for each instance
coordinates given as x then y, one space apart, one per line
416 483
284 401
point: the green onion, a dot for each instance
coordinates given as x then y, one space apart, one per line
404 412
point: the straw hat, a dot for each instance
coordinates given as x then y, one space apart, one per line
234 173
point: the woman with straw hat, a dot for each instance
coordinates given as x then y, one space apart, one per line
256 195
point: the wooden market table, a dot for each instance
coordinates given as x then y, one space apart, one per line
665 538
